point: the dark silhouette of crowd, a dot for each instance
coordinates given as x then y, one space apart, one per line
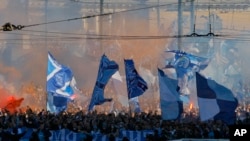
13 126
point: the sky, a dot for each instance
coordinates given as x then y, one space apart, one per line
76 43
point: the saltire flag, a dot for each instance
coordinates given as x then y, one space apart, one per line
60 85
215 101
120 88
106 69
136 85
186 65
170 102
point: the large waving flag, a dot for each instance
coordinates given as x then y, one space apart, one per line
60 85
186 65
106 69
215 101
171 105
136 85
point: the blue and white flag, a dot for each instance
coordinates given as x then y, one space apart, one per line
170 102
186 65
215 101
136 85
106 69
60 85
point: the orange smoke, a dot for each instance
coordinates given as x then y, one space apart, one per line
8 101
4 96
29 88
13 104
32 65
11 73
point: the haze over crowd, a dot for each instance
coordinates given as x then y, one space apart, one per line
23 71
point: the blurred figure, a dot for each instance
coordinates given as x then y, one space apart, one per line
14 135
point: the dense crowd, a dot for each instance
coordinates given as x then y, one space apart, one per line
13 126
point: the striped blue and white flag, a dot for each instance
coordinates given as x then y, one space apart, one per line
215 101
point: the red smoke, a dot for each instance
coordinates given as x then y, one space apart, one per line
13 104
9 102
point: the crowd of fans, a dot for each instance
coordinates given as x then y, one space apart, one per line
12 126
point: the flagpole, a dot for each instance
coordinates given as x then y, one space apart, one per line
130 112
46 93
129 95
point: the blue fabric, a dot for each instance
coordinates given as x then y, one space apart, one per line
217 97
186 64
185 99
106 69
59 78
203 89
227 111
136 85
59 90
171 104
59 101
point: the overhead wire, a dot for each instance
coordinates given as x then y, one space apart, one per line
79 36
108 37
20 27
64 35
88 2
81 39
116 36
98 15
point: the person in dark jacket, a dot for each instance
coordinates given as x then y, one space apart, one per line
3 135
14 135
34 136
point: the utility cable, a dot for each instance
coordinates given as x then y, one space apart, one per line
11 27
